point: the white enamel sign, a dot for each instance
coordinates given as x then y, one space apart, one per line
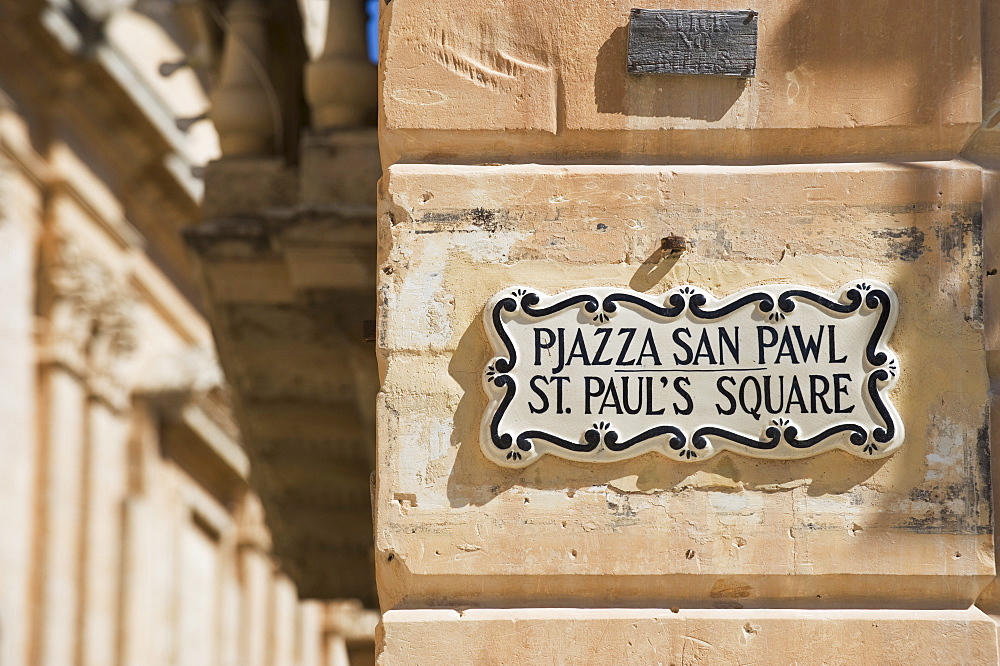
776 371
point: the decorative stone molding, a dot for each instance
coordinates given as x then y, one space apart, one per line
193 371
252 531
91 313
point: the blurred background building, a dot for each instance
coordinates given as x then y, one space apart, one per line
188 312
170 167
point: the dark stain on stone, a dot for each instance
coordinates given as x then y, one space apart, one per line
952 237
725 589
458 220
985 490
977 257
487 219
936 494
955 236
903 244
253 232
443 218
946 523
961 242
444 221
974 496
601 226
623 509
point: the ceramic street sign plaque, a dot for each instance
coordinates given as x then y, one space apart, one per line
681 41
777 371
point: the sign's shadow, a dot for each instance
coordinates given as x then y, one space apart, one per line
475 480
691 96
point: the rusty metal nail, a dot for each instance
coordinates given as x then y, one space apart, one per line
674 244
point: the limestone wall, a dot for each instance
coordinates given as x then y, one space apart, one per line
519 153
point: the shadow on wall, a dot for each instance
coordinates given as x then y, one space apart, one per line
858 46
659 95
476 481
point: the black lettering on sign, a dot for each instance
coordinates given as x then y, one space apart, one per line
541 394
678 41
731 409
679 385
558 381
592 388
819 395
833 347
751 405
550 336
578 350
772 339
629 333
688 353
649 349
637 394
599 359
838 389
611 401
650 410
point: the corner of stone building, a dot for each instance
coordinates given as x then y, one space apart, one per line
787 178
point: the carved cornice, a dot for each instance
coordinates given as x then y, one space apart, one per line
138 149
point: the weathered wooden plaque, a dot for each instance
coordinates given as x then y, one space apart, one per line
777 371
677 41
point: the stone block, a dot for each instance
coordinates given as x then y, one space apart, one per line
512 80
453 528
621 636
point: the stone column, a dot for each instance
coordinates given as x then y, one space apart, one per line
19 229
106 476
256 575
142 584
283 620
59 569
524 159
146 588
340 85
86 330
309 639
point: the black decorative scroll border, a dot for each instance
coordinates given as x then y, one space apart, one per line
686 297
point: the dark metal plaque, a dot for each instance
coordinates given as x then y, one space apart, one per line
675 41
